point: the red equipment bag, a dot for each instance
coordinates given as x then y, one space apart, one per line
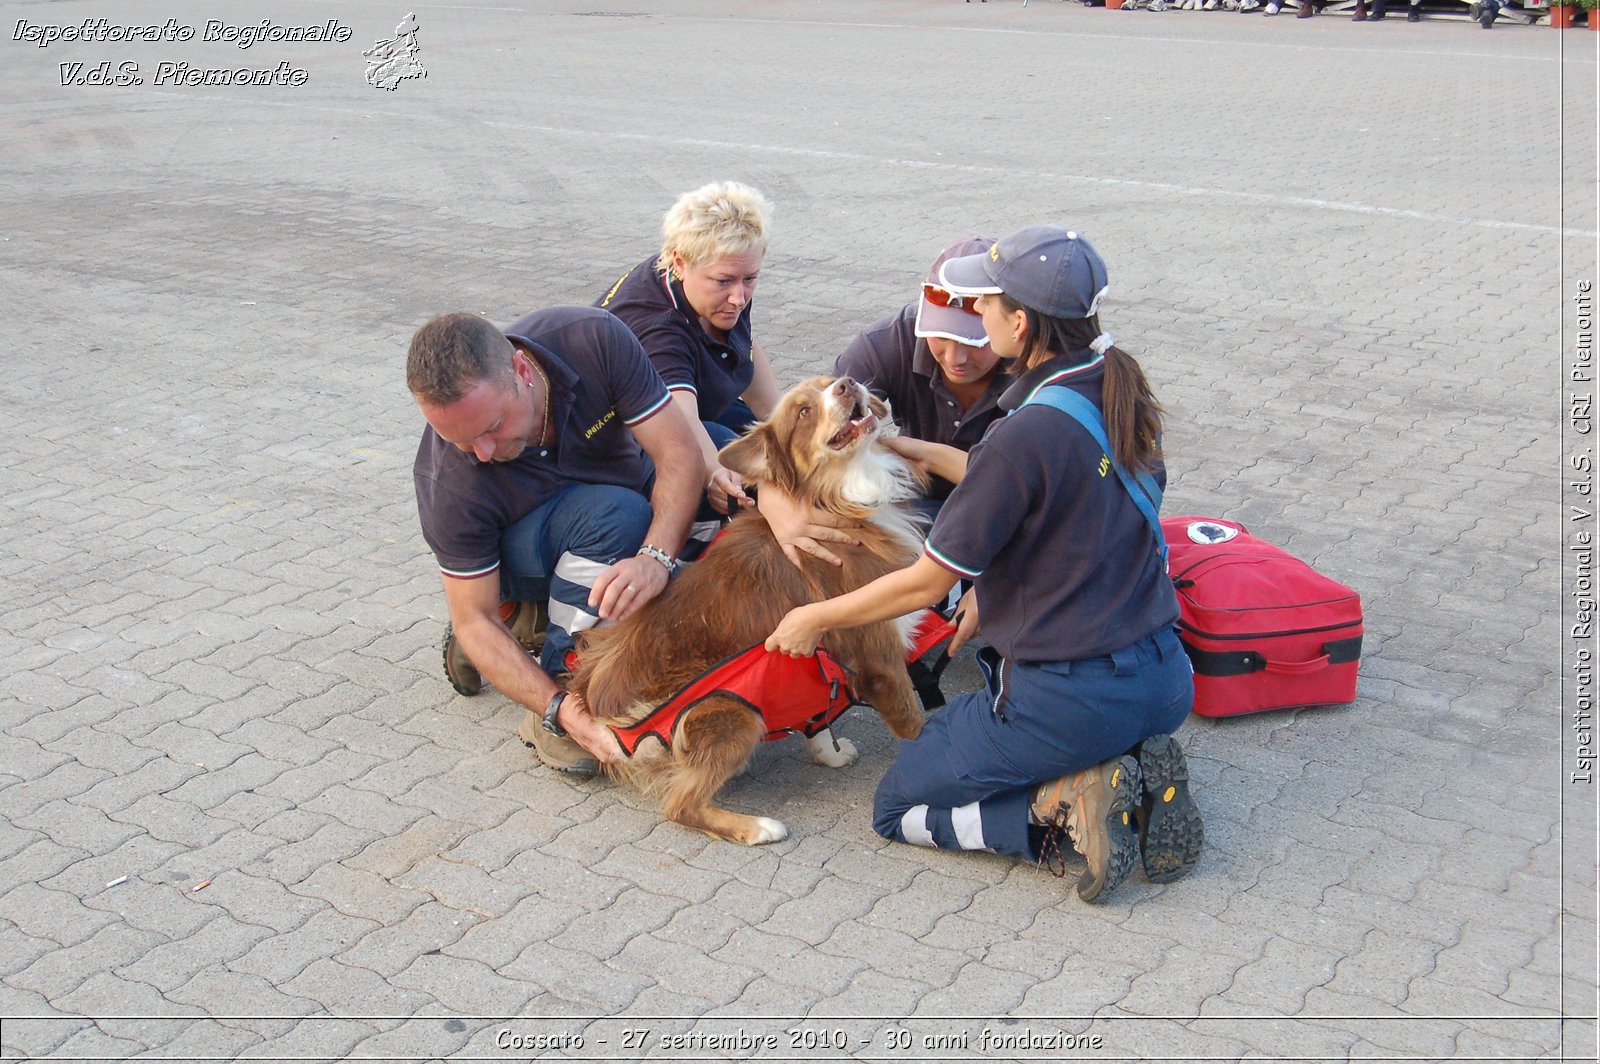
1263 629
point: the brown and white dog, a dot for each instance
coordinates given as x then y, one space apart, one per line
821 447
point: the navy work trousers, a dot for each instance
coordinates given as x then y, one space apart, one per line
966 782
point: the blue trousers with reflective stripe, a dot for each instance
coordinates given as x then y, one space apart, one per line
556 553
966 782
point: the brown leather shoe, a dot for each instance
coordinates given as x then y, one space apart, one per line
1307 9
527 621
557 751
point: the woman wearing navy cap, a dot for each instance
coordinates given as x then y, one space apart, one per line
689 305
1085 677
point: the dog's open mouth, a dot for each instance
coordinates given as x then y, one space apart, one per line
860 422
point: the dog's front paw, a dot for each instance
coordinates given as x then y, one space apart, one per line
769 830
835 753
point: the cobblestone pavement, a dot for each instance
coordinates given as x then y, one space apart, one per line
244 815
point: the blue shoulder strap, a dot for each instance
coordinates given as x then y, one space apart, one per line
1141 488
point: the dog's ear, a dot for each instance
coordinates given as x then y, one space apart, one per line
747 456
761 456
881 410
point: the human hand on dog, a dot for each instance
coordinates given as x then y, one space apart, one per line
626 586
581 727
797 635
933 459
725 491
966 620
798 527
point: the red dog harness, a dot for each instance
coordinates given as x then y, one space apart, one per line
790 695
784 692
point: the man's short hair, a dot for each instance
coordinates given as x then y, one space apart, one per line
716 220
452 353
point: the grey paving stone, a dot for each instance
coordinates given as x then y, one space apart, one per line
1279 980
325 1035
172 964
683 968
143 1013
873 993
22 949
661 873
359 893
69 779
425 928
37 861
363 810
294 861
93 1042
498 940
208 1038
494 848
814 917
919 908
174 821
282 957
578 976
462 886
77 826
791 960
127 788
351 989
40 1033
52 910
466 986
111 947
395 854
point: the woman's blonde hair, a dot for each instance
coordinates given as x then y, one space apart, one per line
720 219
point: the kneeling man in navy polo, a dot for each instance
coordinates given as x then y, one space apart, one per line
556 473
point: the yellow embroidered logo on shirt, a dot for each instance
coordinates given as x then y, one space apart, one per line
1105 465
589 432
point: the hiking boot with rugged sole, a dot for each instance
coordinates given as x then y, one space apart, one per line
1096 808
1171 834
557 751
462 674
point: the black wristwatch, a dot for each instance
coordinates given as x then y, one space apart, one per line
552 710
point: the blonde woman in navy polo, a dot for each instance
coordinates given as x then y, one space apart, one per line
689 305
1085 677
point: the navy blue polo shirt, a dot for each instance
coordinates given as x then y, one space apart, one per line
601 384
895 364
1066 566
688 359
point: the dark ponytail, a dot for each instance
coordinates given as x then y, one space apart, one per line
1133 417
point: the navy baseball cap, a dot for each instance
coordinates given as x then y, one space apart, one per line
1046 267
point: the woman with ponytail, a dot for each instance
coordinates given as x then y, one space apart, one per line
1085 677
